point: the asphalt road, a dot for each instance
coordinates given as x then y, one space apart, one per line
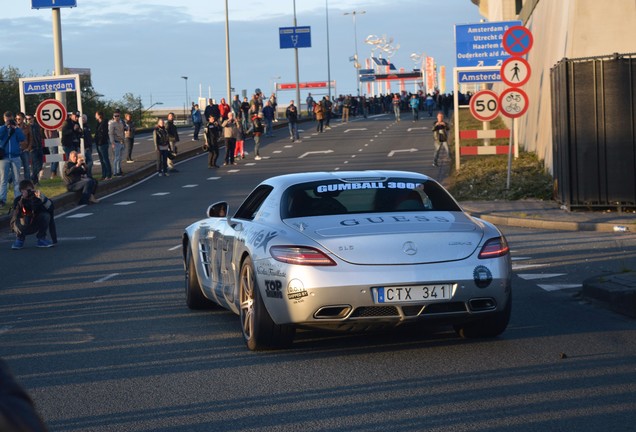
97 328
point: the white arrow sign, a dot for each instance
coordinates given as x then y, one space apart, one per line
411 150
314 152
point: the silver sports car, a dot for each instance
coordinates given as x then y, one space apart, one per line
348 251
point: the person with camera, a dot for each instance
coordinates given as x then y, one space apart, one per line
30 215
162 147
10 162
440 136
230 133
76 178
71 133
211 135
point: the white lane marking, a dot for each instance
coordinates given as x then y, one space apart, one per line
190 186
5 329
533 276
105 278
355 129
76 238
174 248
161 193
525 266
416 128
289 146
315 152
250 163
124 203
277 151
520 258
213 178
79 215
559 287
411 150
233 170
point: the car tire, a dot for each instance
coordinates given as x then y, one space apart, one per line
194 296
259 330
489 327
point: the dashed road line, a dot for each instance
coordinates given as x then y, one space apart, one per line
105 278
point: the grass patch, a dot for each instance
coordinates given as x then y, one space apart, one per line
50 188
483 178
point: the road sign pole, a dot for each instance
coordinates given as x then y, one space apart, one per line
510 145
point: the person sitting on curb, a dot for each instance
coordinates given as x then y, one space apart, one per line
30 215
76 178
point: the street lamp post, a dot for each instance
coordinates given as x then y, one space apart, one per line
186 99
356 65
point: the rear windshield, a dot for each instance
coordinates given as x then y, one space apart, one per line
336 197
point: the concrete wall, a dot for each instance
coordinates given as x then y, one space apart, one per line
562 28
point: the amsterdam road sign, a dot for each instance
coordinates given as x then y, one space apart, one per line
480 44
41 4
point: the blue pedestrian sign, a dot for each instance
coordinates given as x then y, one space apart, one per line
481 44
50 4
295 37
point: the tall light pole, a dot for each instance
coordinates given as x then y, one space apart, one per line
227 54
297 73
328 59
185 78
356 65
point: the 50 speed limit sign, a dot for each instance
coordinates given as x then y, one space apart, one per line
484 105
51 114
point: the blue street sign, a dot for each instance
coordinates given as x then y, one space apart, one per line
295 37
481 44
41 4
472 77
49 86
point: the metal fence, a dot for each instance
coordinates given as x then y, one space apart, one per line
594 131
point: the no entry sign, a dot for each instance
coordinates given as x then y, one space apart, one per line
51 114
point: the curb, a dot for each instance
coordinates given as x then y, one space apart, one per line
618 291
543 223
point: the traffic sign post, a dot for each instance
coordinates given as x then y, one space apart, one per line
50 4
518 40
480 44
513 102
51 114
515 71
484 105
295 37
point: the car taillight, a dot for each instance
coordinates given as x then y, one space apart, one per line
300 255
494 248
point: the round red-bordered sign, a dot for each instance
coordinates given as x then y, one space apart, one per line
484 105
513 102
51 114
515 71
517 40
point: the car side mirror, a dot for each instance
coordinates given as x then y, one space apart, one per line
218 210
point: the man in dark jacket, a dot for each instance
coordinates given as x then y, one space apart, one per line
71 133
102 143
30 215
76 179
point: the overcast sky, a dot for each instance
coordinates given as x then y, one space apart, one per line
144 47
